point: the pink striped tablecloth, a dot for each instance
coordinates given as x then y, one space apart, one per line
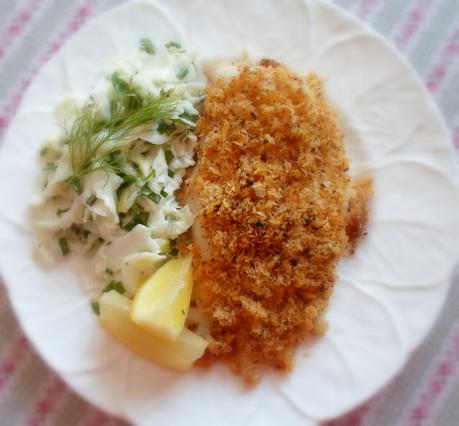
425 393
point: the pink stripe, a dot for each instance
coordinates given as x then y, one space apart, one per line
445 368
17 25
47 402
10 364
366 7
80 16
96 417
413 22
354 418
439 70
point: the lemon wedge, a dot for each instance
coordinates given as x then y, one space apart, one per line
115 319
161 304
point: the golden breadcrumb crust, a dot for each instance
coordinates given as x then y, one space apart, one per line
273 188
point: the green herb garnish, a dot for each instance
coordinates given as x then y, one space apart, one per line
163 193
126 98
173 251
114 285
128 178
91 200
189 117
141 218
49 167
168 154
64 246
121 86
153 196
95 307
182 73
60 212
89 132
170 173
147 46
147 192
76 183
96 244
81 233
171 218
173 44
109 271
164 128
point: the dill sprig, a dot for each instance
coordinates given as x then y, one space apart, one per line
90 133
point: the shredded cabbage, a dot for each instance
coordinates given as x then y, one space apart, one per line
116 203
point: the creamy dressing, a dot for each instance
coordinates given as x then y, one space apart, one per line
123 224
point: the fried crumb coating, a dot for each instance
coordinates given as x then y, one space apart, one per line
276 212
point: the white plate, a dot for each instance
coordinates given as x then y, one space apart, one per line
388 294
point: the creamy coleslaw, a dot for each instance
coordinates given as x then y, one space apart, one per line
108 186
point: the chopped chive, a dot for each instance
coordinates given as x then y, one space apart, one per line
153 196
50 167
164 128
151 175
135 165
173 252
187 116
109 271
76 183
114 285
163 193
173 44
128 178
96 244
135 209
91 200
114 155
147 46
170 173
60 212
183 312
171 218
182 73
64 246
120 85
128 226
168 154
140 219
146 191
166 93
81 233
95 307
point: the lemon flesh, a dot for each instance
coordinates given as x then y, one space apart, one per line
115 319
161 304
